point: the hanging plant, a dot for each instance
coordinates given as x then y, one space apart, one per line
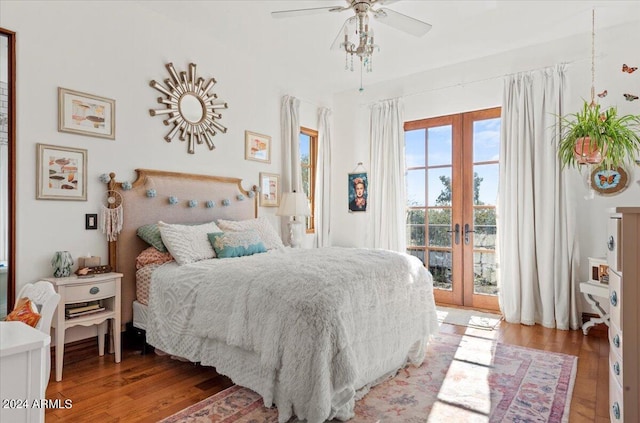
593 136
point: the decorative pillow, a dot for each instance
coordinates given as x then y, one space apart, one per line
188 243
152 256
25 312
151 235
267 233
236 244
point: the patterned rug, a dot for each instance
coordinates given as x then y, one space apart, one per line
463 379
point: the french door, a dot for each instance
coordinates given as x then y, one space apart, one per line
452 188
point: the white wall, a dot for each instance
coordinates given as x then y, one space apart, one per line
478 85
113 49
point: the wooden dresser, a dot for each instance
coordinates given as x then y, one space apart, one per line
623 257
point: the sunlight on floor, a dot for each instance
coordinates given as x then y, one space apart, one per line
471 366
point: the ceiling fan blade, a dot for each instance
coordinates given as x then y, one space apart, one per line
303 12
384 2
348 25
402 22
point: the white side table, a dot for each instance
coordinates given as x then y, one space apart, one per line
593 292
23 354
106 289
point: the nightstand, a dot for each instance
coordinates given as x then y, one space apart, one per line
105 289
592 291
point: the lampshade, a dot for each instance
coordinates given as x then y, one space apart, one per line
294 204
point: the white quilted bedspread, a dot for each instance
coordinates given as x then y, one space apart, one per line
323 322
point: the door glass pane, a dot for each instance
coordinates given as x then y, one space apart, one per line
415 228
484 273
440 186
414 148
485 184
439 224
484 225
440 144
415 188
486 140
440 267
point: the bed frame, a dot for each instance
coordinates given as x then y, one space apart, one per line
140 209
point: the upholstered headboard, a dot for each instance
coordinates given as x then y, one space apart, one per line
142 206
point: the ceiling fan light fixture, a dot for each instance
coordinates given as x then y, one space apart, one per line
362 45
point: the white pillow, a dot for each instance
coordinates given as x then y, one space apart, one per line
267 233
188 243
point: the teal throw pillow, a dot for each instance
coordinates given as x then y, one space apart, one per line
236 244
151 235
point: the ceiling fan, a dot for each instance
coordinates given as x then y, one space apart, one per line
363 45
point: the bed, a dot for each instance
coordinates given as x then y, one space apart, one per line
310 330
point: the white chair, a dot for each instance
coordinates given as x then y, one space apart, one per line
45 297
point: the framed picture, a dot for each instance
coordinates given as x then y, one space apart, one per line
358 192
609 181
86 114
257 147
91 221
598 270
61 173
603 274
269 190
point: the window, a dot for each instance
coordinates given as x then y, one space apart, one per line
308 154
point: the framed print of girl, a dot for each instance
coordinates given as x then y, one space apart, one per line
358 192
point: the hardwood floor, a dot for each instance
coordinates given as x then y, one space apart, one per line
147 388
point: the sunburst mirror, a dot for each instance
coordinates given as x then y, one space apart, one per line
192 109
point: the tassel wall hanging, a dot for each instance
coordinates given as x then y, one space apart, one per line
111 215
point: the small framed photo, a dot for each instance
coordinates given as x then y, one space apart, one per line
598 270
61 173
269 190
91 221
358 192
603 274
257 147
86 114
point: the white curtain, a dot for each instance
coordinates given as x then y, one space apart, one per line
536 235
290 129
322 193
386 199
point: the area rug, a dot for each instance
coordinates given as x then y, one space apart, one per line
463 379
469 318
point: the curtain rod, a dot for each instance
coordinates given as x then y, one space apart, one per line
461 84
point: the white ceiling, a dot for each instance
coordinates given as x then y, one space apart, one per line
462 30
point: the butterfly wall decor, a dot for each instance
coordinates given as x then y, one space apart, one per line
609 181
603 94
630 97
629 69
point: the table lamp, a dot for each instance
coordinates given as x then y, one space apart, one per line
294 204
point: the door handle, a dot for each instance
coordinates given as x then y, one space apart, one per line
457 232
466 233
